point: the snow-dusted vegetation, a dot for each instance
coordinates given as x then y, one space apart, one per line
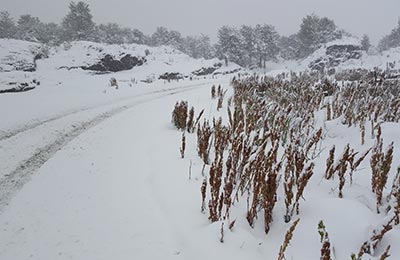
294 142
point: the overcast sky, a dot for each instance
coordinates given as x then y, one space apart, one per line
190 17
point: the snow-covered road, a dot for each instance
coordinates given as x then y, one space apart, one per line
102 196
26 149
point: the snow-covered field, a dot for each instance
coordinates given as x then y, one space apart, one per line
91 172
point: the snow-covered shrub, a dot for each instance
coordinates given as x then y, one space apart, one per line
41 52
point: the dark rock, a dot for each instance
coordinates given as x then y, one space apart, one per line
23 65
171 76
335 55
20 87
207 71
109 64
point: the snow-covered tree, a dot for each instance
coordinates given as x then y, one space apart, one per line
248 43
135 36
365 42
78 23
314 32
266 47
289 47
110 33
175 40
391 40
49 33
7 26
162 36
229 45
204 47
28 28
113 33
197 46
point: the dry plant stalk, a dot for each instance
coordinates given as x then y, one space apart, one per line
269 193
377 237
302 183
232 225
203 195
219 93
380 165
326 245
288 237
190 122
354 165
180 114
369 247
329 173
346 164
183 145
395 194
215 203
203 141
198 118
213 91
222 233
363 134
289 182
342 168
328 112
385 254
220 102
314 141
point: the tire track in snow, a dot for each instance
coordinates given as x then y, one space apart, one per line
6 134
16 179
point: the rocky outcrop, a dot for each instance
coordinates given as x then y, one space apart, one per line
16 55
207 71
15 87
171 76
109 64
335 55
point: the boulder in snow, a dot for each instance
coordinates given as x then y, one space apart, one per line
109 64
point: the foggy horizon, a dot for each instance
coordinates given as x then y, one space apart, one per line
192 17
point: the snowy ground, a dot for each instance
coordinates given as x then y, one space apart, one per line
90 172
120 190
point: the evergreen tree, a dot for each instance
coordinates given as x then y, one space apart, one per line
229 45
110 33
175 40
365 43
248 43
314 32
7 26
136 36
204 47
78 23
289 47
162 36
391 40
266 43
197 46
28 28
49 33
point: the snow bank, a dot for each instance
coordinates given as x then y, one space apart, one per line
16 55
